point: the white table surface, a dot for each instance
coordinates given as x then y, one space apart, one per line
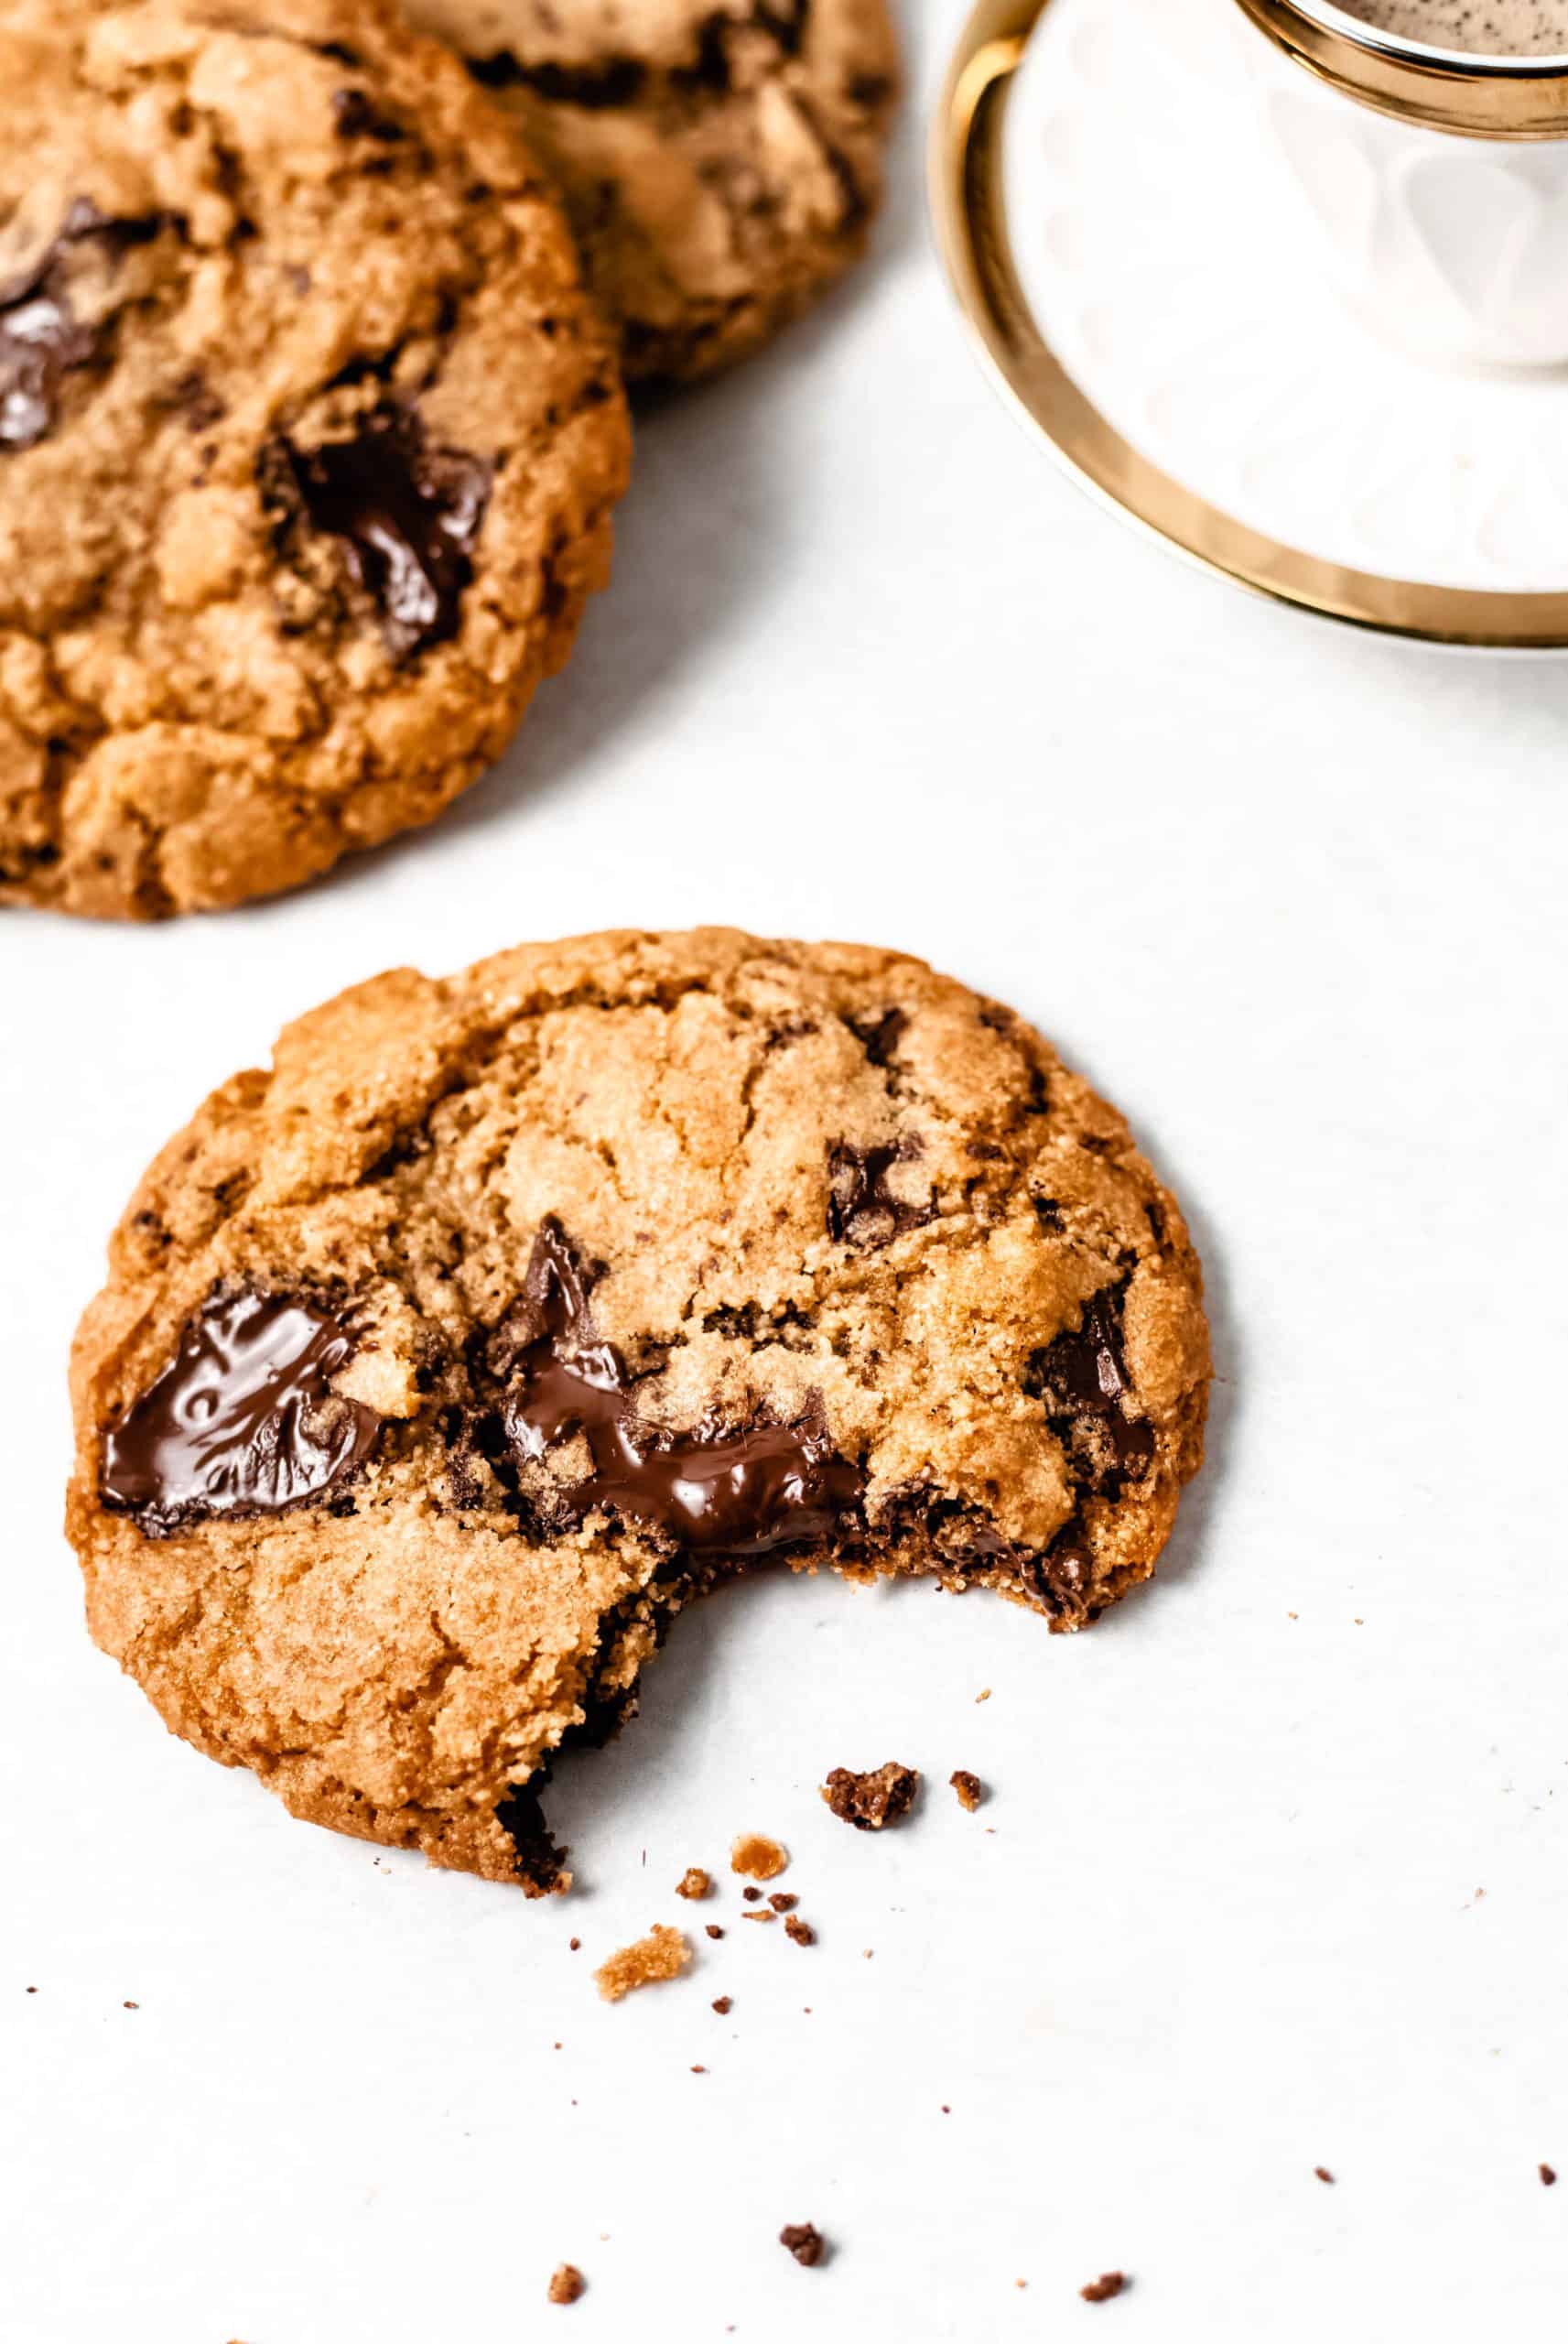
869 670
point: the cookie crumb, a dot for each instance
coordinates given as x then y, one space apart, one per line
694 1883
724 2004
871 1801
566 2284
1323 2172
699 2069
982 1697
663 1953
1100 2290
783 1901
799 1932
753 1895
755 1857
130 2006
712 1929
574 1944
804 2241
766 1912
1548 2173
969 1787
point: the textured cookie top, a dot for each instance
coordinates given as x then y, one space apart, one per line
720 159
438 1365
307 441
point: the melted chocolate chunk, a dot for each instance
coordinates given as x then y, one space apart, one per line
716 1489
244 1419
41 339
356 116
879 1036
861 1209
617 82
1084 1376
408 514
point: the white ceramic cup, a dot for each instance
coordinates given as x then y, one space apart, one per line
1455 241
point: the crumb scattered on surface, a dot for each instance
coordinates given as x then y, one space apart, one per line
799 1932
757 1857
1323 2172
698 2068
574 1944
982 1697
566 2284
724 2004
804 2241
763 1913
783 1901
694 1883
1548 2177
1100 2290
713 1929
663 1953
873 1800
969 1787
131 2006
751 1895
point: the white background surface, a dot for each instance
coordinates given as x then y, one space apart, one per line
1293 897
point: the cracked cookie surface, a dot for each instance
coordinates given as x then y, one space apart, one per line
309 437
438 1365
720 159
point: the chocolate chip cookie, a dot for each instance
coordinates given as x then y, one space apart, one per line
440 1366
309 437
720 159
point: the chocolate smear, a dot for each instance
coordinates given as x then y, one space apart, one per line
717 1488
244 1419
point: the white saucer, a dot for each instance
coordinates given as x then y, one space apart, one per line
1168 273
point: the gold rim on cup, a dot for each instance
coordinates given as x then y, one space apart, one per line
969 200
1474 96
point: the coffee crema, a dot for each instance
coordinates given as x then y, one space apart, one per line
1479 27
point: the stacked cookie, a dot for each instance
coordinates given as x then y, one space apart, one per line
310 430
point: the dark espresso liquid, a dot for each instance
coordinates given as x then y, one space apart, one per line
1482 27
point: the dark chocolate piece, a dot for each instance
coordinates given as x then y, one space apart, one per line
356 116
804 2241
871 1801
1083 1377
41 339
1101 2290
861 1209
408 514
729 1492
244 1419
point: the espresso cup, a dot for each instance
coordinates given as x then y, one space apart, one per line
1436 180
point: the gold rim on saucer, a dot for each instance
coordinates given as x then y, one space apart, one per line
1478 97
970 209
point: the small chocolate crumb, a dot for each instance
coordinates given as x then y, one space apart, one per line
969 1787
724 2004
663 1953
1323 2172
131 2006
799 1932
33 1989
753 1895
757 1858
713 1929
782 1902
1100 2290
698 2070
694 1883
1548 2173
804 2241
575 1945
566 2284
871 1801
